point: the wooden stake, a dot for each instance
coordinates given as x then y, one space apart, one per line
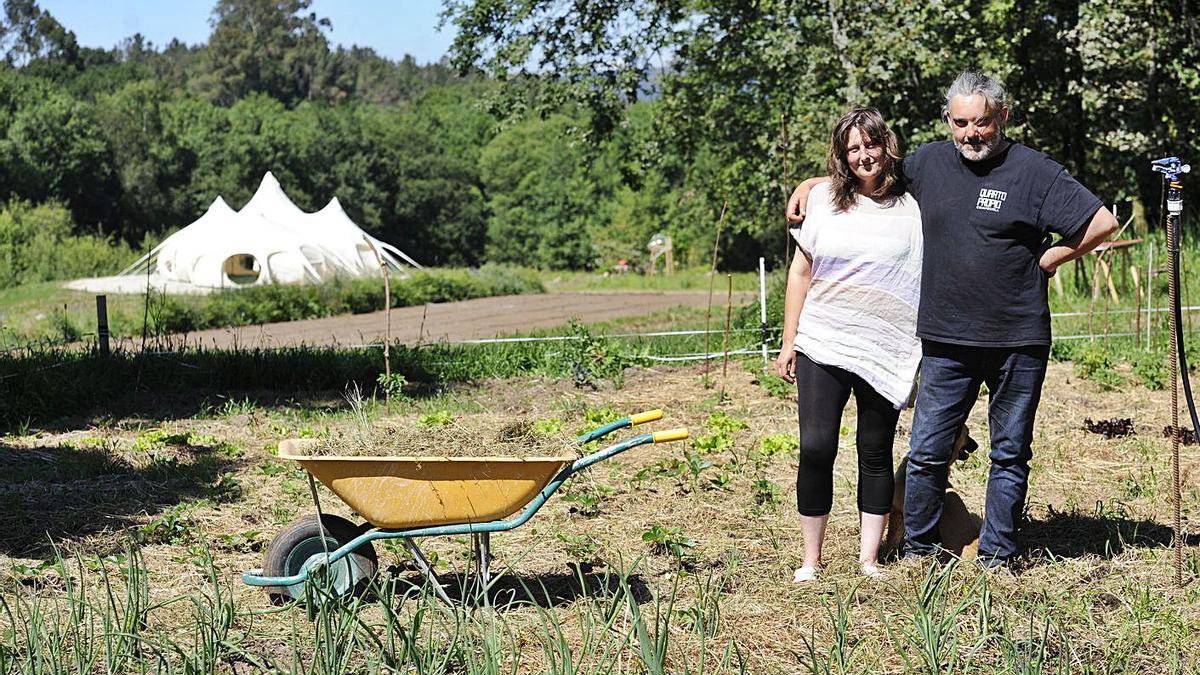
712 277
787 188
387 313
102 324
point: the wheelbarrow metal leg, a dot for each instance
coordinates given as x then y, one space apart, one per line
427 569
483 572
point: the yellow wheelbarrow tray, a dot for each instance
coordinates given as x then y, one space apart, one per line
410 497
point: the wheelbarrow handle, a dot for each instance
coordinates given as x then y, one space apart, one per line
618 448
632 420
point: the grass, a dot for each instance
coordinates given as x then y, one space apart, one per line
46 312
693 279
42 384
155 478
670 559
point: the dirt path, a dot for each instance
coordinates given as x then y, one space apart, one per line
469 319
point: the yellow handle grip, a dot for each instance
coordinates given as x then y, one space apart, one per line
643 417
670 435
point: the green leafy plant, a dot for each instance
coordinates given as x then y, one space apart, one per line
588 357
722 429
1095 363
439 418
391 385
548 427
580 547
778 444
665 540
766 494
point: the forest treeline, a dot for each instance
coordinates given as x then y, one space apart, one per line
558 139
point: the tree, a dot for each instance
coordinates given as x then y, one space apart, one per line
539 201
264 46
29 33
56 151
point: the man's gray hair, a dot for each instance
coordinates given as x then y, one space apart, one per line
969 83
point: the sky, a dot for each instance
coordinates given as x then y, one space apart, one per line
392 28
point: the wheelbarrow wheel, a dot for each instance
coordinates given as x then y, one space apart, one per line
303 545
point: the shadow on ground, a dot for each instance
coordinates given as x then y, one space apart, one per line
1073 534
543 590
92 499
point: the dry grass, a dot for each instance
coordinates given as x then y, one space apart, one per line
1095 589
462 435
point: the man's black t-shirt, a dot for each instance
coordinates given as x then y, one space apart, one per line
985 225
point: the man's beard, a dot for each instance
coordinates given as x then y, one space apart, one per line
989 148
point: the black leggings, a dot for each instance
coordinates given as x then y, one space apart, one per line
822 393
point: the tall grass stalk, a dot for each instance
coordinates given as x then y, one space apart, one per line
928 634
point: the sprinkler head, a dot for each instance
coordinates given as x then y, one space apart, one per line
1171 167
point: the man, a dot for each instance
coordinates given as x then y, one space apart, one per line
988 209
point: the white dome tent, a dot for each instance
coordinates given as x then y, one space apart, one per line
269 241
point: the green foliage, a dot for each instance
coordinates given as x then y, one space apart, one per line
665 540
722 429
37 244
392 385
262 304
766 494
548 427
778 444
438 418
1150 368
776 386
1094 363
590 357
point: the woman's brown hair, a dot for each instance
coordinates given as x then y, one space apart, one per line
870 124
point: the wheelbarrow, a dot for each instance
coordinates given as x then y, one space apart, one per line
411 497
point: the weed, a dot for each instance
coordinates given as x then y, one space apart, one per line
589 357
776 386
391 385
665 540
1094 363
667 467
585 497
176 524
723 480
1150 368
766 494
580 547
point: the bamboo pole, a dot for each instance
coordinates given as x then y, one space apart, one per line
728 316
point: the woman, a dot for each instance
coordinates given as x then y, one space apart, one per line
850 326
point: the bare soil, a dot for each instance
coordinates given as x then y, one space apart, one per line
453 321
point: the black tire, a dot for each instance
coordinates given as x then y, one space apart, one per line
301 539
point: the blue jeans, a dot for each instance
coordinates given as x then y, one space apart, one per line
949 385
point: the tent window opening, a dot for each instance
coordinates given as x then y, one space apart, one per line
242 268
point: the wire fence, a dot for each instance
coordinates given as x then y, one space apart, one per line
1101 325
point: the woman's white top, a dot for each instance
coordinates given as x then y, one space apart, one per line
860 313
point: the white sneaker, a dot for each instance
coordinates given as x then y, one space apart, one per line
871 571
804 575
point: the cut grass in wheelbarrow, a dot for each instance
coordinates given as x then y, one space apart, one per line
408 497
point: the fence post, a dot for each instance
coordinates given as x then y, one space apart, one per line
102 323
762 309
